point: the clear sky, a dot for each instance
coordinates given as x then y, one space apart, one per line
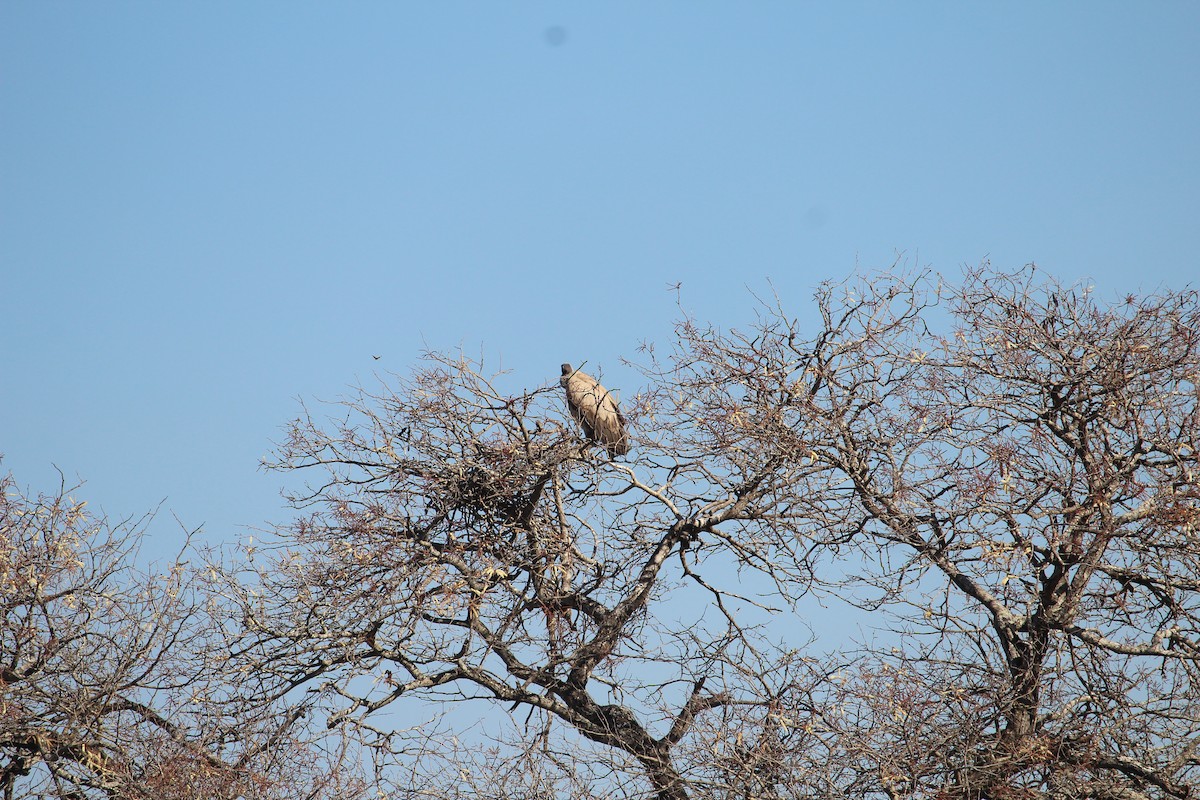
210 210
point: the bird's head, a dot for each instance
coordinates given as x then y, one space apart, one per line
566 368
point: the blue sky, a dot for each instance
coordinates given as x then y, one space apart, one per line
211 210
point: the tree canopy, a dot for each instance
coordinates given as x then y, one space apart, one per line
994 475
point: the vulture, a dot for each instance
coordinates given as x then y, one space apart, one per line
596 410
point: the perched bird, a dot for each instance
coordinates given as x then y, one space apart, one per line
596 410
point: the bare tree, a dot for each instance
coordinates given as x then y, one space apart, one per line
109 683
998 475
1019 497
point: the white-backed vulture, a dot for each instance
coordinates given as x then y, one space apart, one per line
594 408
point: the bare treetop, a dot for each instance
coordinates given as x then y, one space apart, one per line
999 471
113 681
